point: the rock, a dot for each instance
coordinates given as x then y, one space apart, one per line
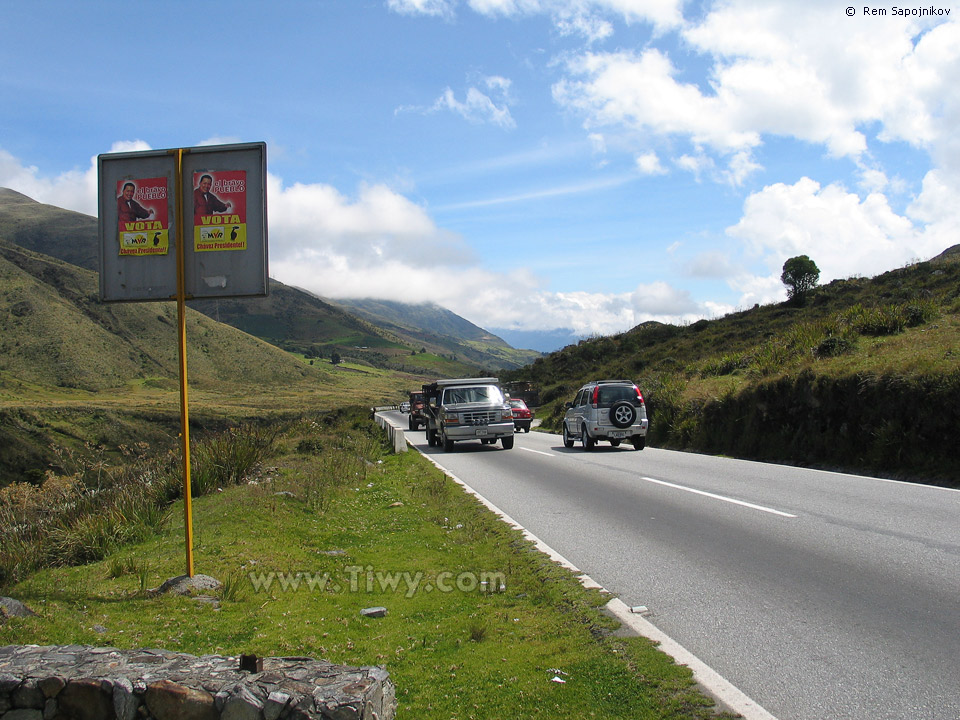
14 608
51 686
186 585
242 705
85 699
23 714
167 700
28 695
276 702
125 703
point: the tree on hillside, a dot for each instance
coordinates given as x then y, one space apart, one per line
800 275
335 358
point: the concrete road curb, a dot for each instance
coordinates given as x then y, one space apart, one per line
726 695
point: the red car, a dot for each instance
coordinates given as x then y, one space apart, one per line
522 417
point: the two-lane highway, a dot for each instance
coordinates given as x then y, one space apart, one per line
820 595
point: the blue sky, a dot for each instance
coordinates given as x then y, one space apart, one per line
574 166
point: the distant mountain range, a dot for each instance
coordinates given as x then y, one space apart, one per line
416 338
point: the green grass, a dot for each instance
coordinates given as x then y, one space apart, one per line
366 528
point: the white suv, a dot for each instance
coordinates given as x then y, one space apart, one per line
611 410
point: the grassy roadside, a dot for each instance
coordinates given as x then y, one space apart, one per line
478 624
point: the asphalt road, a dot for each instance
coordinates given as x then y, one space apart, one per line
822 596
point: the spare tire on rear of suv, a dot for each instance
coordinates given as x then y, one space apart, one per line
623 414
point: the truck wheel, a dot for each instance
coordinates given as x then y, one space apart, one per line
411 424
567 440
447 442
507 442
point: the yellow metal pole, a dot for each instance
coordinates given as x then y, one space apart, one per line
182 346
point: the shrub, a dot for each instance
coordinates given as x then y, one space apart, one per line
832 347
227 458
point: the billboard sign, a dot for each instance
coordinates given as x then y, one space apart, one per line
224 217
137 207
225 199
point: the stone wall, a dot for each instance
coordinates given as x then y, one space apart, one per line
79 682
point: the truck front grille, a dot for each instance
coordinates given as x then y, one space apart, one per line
480 417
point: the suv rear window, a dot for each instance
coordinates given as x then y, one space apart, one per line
610 394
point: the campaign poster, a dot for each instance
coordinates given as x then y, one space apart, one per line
142 224
220 210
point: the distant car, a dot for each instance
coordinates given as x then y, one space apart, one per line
417 418
522 417
404 407
611 410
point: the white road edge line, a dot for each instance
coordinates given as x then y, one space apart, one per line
714 684
538 452
724 498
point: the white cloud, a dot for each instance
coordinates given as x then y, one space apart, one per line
592 28
649 164
801 70
438 8
477 107
587 18
696 165
842 233
75 189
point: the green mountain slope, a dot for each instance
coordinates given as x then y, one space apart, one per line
436 327
55 332
64 234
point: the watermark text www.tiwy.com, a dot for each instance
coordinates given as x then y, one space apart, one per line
897 11
366 579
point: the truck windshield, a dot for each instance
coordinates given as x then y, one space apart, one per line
486 394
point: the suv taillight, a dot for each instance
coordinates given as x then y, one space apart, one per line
595 398
639 395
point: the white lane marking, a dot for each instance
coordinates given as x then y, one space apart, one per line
719 497
538 452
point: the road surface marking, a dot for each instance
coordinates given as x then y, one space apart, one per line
538 452
720 497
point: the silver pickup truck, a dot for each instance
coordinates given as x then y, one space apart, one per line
467 409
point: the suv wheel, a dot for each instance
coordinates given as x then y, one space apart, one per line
567 440
639 442
588 442
622 414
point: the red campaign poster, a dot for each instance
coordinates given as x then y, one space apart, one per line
142 216
220 210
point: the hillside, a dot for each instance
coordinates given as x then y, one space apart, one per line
63 234
437 328
865 377
75 371
289 318
54 331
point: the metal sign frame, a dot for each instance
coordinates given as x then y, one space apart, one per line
150 252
